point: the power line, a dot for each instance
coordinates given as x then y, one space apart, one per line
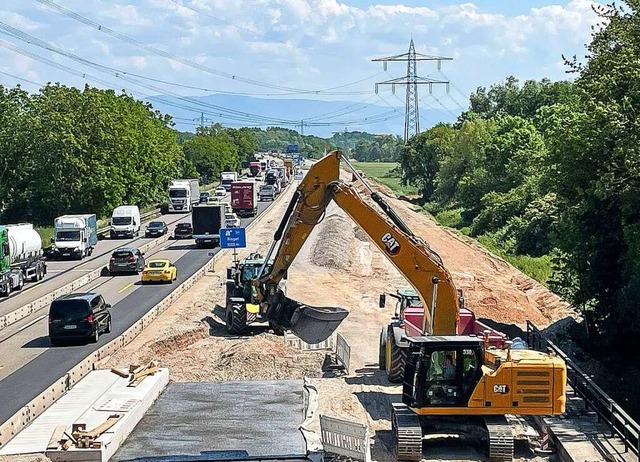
164 54
411 81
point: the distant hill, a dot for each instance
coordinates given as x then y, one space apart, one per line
311 111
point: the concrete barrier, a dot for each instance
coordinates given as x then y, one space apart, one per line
45 301
40 403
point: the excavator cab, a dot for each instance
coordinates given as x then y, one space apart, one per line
442 371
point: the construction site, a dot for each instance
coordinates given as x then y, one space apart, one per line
214 394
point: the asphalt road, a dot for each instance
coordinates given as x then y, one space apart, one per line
63 272
130 301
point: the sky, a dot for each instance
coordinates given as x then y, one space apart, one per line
315 49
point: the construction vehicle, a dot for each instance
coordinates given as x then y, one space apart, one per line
452 383
408 321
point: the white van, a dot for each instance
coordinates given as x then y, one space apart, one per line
125 221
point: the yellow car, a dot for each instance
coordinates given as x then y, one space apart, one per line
159 271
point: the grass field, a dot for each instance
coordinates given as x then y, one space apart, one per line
379 171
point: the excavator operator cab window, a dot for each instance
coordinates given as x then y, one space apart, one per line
446 377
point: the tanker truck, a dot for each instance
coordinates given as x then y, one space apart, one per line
20 257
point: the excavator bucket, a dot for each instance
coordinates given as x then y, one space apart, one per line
312 324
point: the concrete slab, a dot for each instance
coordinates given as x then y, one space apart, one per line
93 399
221 421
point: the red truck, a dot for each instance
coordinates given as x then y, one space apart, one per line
254 168
244 198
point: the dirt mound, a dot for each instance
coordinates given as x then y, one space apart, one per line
333 244
179 341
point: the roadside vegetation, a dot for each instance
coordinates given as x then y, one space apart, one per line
546 175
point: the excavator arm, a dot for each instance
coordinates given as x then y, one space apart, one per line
412 256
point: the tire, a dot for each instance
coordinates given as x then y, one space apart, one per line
96 336
395 358
20 284
236 318
107 330
382 349
231 287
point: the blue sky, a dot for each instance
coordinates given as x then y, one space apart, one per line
319 49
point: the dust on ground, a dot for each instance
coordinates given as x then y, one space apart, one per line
338 266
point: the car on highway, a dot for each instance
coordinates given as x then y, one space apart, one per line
204 196
156 228
231 220
159 271
220 191
267 192
79 315
126 260
183 230
298 175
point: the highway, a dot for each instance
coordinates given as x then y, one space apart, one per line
62 272
31 364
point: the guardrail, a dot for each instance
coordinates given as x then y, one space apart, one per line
53 392
607 410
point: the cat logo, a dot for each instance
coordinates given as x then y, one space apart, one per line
391 244
501 389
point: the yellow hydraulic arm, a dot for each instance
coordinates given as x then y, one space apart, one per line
412 256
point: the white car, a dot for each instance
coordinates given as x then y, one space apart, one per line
231 220
220 191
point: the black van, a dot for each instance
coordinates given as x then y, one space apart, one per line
83 315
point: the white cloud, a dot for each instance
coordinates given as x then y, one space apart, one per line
310 44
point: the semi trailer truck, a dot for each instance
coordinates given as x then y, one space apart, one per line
244 198
207 221
226 178
21 257
183 194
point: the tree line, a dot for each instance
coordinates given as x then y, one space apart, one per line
552 170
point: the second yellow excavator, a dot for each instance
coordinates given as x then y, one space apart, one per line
451 383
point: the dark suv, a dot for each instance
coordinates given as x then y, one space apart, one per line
82 315
126 260
183 231
204 197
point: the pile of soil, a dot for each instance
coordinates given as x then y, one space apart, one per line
331 249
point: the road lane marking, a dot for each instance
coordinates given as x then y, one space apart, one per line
125 287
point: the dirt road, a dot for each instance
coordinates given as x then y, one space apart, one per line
338 266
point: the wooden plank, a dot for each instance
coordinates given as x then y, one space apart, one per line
103 427
122 373
56 437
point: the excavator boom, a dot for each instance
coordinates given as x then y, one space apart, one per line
410 255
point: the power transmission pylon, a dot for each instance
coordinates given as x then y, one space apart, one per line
412 80
302 124
202 120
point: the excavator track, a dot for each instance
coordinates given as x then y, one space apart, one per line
407 433
500 439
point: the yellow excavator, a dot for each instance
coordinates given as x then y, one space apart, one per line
460 384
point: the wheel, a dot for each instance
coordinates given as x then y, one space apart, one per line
236 318
107 330
96 336
20 283
395 359
382 349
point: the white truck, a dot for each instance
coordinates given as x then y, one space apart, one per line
226 178
75 236
125 221
20 257
183 194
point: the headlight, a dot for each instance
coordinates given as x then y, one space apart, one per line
77 249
